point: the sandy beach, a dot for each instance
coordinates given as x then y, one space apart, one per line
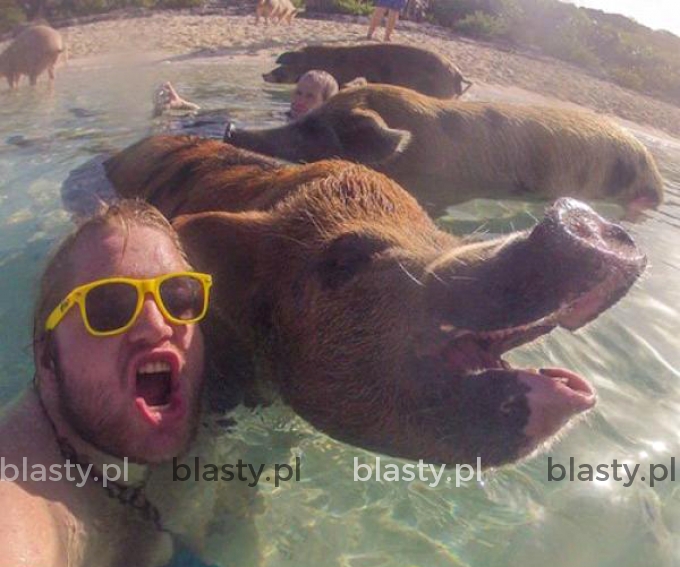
221 32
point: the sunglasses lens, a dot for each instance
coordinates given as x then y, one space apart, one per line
184 297
110 306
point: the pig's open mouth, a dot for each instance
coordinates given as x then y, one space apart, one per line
474 353
470 352
571 268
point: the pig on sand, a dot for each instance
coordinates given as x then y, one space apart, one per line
391 64
35 50
276 10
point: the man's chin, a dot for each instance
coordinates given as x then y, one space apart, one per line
138 440
133 429
158 444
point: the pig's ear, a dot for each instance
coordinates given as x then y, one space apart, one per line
356 82
365 137
224 246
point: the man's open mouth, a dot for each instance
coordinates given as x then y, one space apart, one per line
154 383
156 393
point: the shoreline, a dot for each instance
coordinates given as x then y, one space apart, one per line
222 31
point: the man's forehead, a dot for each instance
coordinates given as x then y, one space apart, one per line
139 251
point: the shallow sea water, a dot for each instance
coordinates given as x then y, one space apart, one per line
515 516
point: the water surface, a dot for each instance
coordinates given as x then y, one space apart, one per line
515 517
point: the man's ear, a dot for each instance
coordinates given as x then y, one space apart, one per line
44 354
45 362
366 138
225 245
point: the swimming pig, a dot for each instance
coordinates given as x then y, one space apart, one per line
34 50
334 290
403 65
450 151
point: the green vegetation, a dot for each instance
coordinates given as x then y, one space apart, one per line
607 45
11 14
349 7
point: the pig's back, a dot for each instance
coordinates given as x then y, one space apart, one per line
35 48
418 69
392 64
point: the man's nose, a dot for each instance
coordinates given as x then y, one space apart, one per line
150 325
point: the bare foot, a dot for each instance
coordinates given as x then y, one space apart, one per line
166 98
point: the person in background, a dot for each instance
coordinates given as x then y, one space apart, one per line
312 89
166 98
392 9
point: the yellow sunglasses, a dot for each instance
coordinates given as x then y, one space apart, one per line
110 306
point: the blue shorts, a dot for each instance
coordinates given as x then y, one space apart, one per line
397 5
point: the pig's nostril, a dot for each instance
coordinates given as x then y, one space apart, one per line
576 219
509 405
617 233
584 227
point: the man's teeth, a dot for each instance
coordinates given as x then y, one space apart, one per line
154 368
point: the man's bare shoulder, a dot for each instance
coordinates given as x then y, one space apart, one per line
29 533
29 522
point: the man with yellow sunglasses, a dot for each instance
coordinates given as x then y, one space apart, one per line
119 371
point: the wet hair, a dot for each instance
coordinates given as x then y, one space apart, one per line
56 280
328 84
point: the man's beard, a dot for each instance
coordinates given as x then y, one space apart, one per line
103 433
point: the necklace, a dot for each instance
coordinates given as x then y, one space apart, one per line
132 495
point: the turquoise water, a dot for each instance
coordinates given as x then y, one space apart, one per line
515 516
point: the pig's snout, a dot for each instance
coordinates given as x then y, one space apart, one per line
571 224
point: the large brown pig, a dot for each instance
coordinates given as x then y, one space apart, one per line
391 64
36 49
450 151
336 291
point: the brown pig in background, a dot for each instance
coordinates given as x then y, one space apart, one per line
35 50
447 151
391 64
334 291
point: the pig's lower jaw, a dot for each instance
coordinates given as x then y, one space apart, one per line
467 352
475 354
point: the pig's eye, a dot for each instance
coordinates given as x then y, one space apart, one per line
346 256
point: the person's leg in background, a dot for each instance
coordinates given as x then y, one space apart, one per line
392 17
376 18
